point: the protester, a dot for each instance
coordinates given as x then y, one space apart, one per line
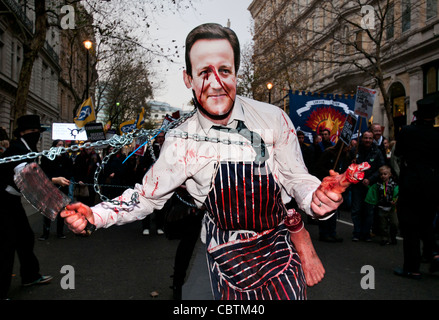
113 173
17 235
84 167
307 151
183 222
332 159
95 162
213 172
418 150
326 139
378 138
81 175
362 215
316 150
4 140
59 171
383 196
156 220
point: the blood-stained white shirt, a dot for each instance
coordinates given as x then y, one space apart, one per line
193 163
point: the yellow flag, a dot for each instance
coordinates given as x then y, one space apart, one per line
127 126
140 119
86 113
107 126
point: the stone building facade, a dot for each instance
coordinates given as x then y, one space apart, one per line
58 73
319 46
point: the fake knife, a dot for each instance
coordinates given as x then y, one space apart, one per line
41 193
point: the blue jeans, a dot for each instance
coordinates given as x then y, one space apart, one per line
361 213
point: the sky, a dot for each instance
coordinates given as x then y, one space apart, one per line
177 26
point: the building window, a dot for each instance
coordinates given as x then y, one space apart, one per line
44 81
406 15
346 39
431 9
2 44
390 21
431 84
359 40
18 59
431 79
13 67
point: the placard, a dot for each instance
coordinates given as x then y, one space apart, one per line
348 129
68 131
95 131
364 101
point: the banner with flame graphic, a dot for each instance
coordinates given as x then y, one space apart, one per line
313 112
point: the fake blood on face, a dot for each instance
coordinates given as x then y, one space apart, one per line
211 69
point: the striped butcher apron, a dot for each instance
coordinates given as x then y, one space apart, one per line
250 254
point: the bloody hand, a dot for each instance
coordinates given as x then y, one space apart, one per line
338 183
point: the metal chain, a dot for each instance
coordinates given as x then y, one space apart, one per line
136 133
102 185
119 142
197 137
186 202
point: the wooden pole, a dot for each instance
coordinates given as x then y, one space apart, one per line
339 153
358 139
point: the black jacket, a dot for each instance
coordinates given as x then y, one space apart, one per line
418 149
17 147
374 157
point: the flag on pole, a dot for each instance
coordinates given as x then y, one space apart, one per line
86 114
131 125
107 126
140 118
127 126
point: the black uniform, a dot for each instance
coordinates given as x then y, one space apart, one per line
418 149
15 231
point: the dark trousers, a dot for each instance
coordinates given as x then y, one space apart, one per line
417 225
327 228
154 221
16 237
59 226
185 249
361 212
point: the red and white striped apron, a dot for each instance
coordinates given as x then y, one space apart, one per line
250 255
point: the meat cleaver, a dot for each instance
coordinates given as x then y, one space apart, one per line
41 193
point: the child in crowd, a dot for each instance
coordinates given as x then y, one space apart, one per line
383 196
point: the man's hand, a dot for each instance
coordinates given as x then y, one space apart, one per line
76 215
328 196
61 181
326 200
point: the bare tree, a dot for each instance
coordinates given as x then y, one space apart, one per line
32 44
127 89
124 23
346 40
246 72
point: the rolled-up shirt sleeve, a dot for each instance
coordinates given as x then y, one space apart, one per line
293 174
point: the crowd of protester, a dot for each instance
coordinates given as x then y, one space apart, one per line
374 203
